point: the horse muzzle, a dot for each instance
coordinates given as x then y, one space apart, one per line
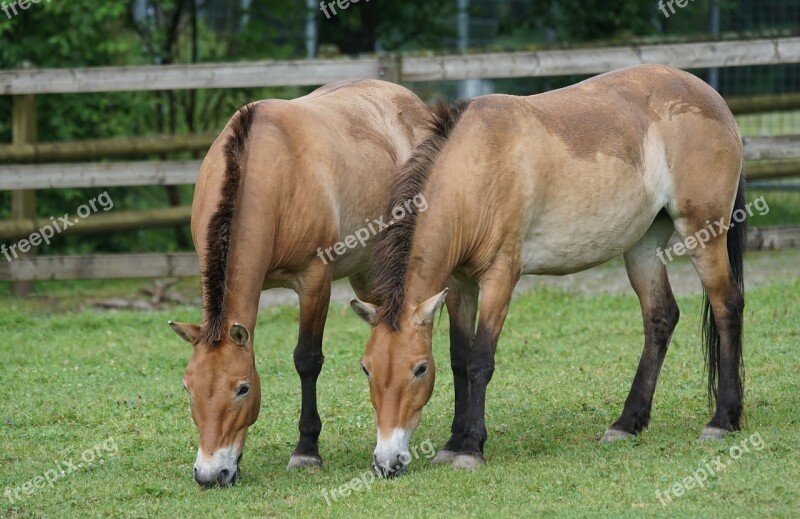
220 469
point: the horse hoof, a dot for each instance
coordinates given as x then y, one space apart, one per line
712 433
468 461
615 435
444 456
299 461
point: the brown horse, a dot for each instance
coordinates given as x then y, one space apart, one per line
553 184
283 183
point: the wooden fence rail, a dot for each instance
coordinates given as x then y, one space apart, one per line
124 266
99 174
764 103
44 152
456 67
772 148
595 61
112 266
101 222
771 169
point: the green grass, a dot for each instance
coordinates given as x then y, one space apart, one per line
784 208
766 124
70 380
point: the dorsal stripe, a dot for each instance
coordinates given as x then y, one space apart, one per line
218 244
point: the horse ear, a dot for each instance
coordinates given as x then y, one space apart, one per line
367 312
187 332
424 313
239 334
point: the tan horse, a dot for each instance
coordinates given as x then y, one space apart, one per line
554 184
278 190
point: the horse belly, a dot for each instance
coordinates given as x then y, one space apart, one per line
580 245
594 211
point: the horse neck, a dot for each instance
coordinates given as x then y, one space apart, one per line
247 268
434 256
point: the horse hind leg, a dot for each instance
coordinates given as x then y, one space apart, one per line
718 261
707 193
648 276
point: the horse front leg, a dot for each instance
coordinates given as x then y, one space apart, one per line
314 291
462 307
497 286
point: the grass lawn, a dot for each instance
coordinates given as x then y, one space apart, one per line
766 124
784 208
110 382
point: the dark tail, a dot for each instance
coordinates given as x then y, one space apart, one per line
737 242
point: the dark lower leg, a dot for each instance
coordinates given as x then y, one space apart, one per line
648 277
480 370
728 414
462 308
659 324
308 360
496 296
461 390
724 338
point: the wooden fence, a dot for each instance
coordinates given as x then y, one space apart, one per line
772 51
769 157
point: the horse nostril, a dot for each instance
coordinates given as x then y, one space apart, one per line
200 481
223 476
391 469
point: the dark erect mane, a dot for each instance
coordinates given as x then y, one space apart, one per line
391 255
219 229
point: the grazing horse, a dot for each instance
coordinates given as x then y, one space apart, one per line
554 184
283 183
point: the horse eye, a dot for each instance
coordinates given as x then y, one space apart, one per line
421 370
365 370
243 390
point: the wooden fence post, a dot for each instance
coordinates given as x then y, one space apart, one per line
23 203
